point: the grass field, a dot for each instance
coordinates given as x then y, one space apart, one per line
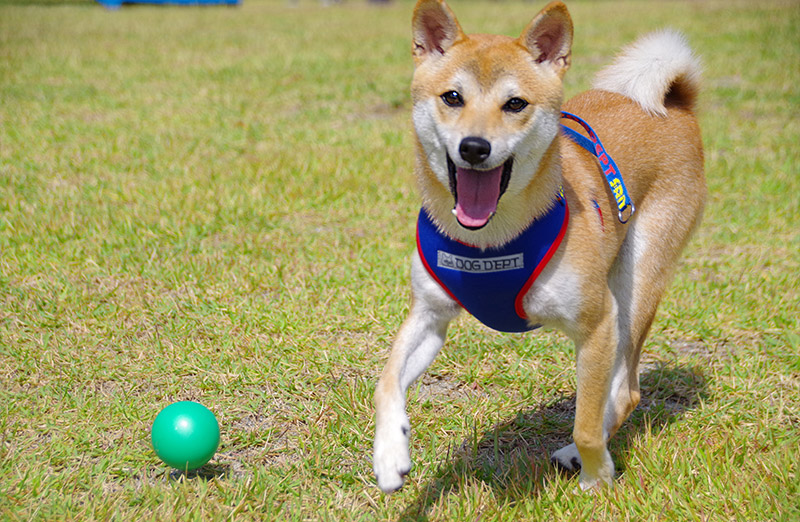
217 204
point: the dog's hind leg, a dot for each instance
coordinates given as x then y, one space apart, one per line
641 274
416 345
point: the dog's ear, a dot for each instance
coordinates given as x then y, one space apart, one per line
549 37
435 29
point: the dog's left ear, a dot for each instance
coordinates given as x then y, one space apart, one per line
549 37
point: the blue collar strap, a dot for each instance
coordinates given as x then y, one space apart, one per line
491 283
593 144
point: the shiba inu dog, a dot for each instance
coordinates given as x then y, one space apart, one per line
498 173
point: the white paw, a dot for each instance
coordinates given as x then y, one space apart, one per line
602 476
567 458
391 459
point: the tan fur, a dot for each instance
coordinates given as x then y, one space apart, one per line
612 275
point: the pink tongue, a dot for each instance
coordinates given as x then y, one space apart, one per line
477 193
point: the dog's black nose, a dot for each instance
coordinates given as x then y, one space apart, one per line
474 150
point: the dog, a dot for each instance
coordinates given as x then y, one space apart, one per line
496 169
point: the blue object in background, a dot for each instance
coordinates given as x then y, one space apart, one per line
116 4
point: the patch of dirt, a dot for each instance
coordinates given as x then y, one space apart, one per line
444 387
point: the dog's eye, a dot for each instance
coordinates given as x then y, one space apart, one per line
452 99
515 105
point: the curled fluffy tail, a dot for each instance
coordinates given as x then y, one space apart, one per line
657 71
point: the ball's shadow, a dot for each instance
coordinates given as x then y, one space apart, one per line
514 456
207 472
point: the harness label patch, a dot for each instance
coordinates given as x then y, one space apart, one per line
479 265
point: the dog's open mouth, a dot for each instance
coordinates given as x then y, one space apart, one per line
477 192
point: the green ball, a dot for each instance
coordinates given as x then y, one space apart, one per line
185 435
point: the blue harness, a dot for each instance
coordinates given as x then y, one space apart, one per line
491 283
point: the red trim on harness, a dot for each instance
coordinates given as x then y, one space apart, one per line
546 259
433 274
599 213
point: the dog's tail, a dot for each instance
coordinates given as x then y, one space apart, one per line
657 71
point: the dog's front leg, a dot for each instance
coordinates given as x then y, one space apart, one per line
596 361
416 345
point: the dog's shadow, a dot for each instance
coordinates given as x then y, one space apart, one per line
514 456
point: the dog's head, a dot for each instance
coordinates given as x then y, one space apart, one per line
485 109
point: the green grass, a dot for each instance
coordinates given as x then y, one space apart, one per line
217 204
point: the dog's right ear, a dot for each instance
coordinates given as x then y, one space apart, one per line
435 29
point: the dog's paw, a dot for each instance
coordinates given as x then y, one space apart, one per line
391 458
603 476
567 458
